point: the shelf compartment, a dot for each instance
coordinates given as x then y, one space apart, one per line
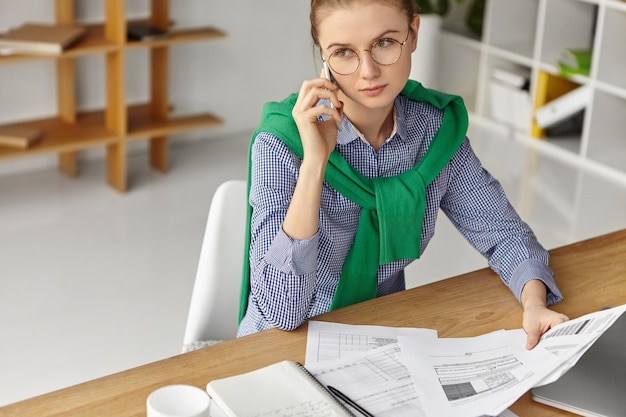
568 24
142 123
549 87
608 145
612 62
512 26
93 42
508 104
456 21
58 136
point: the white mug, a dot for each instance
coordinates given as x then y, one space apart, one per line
178 401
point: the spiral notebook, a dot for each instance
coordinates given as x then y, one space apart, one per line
283 388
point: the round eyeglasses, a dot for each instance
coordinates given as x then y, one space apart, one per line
384 51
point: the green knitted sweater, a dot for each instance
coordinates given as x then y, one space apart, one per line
389 205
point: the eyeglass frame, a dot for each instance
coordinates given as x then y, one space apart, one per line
358 56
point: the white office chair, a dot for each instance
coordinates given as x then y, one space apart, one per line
214 307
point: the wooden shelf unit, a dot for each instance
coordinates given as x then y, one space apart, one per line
112 127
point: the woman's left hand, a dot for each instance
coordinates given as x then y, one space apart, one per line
537 320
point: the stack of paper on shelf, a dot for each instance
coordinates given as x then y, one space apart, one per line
40 38
563 108
19 137
510 98
518 78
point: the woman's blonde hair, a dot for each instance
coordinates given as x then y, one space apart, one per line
320 8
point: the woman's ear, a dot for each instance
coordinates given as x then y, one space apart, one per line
414 27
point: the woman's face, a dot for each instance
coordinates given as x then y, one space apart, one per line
372 85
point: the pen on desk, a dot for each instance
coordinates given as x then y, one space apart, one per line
347 400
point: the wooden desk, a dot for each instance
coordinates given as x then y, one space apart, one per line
591 275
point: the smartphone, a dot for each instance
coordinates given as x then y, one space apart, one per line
329 76
327 73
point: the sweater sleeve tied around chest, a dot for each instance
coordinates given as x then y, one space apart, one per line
390 206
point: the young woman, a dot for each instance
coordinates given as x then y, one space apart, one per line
347 178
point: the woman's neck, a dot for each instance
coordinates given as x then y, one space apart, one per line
375 125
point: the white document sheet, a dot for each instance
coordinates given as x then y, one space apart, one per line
366 364
570 340
467 377
376 380
327 340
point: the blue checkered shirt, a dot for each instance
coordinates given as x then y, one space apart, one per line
292 280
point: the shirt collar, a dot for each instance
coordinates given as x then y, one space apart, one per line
350 132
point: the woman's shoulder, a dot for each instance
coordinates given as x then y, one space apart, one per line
424 106
283 107
413 106
422 98
267 141
418 114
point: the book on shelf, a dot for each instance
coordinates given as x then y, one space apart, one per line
19 137
563 107
518 77
575 61
570 126
145 32
40 38
283 388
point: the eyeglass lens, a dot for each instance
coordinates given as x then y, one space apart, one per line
384 52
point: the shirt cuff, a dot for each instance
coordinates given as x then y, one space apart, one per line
291 256
535 269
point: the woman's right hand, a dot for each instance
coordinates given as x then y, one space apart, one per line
318 137
318 141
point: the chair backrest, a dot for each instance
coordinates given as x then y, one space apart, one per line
214 307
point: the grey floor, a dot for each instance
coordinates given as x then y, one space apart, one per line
93 282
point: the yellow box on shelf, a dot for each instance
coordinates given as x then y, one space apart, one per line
549 87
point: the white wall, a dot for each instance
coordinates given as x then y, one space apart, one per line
265 56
